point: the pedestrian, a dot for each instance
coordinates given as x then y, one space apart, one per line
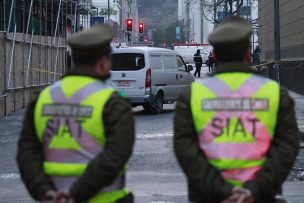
78 135
236 136
198 63
210 62
69 60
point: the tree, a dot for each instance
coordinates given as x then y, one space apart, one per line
210 7
105 12
170 33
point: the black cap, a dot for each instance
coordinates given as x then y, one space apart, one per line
232 33
95 39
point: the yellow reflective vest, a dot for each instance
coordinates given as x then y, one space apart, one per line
69 125
235 116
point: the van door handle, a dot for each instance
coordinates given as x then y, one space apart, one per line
176 77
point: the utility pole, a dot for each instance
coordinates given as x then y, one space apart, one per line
215 9
277 34
226 9
108 9
238 8
277 39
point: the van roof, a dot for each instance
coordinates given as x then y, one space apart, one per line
142 49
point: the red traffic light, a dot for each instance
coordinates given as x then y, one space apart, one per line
129 24
141 28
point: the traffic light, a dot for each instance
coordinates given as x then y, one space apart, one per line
129 24
141 28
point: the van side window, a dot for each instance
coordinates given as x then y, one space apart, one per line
180 63
170 62
156 62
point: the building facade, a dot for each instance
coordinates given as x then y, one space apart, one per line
193 15
292 30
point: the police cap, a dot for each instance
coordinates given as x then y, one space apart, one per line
93 40
232 33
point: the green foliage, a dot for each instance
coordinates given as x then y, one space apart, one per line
168 34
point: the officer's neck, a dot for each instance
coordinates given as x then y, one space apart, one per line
235 66
87 71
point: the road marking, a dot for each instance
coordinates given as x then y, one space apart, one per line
161 202
9 176
154 135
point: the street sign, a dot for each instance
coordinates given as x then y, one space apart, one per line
178 33
97 20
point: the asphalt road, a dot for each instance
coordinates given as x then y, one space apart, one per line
154 175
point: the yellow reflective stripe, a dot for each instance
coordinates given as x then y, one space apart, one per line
226 164
93 126
109 197
269 118
41 121
235 182
200 118
64 169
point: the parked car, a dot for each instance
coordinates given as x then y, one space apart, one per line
150 76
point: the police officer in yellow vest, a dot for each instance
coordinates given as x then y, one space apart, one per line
236 136
78 135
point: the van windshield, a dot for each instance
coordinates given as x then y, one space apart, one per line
128 62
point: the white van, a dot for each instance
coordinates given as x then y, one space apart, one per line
188 51
150 76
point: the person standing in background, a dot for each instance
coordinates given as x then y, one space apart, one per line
198 63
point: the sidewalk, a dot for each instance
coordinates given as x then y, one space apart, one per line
294 191
299 109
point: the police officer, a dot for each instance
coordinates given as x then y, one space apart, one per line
78 135
236 136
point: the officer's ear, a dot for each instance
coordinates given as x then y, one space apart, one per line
104 64
248 55
215 55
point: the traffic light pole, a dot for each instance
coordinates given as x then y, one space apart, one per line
277 39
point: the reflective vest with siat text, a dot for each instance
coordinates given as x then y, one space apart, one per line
68 122
235 116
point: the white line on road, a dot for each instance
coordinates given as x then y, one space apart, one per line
9 176
154 135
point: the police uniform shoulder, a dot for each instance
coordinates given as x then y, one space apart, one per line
233 31
91 40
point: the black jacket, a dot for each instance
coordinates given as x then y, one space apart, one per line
198 59
205 182
101 171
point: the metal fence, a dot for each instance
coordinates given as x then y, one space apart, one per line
33 45
290 74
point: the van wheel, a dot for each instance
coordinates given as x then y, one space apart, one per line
147 107
158 104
